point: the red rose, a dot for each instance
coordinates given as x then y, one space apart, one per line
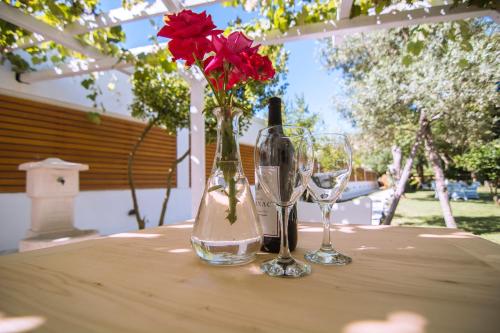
188 24
189 33
189 49
262 67
232 50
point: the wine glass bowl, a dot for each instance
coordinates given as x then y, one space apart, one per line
283 165
333 166
328 186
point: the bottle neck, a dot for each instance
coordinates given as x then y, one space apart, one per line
274 117
228 148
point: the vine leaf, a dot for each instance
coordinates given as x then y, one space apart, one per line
214 188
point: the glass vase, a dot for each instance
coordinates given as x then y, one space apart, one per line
226 229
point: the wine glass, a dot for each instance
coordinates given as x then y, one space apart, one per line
333 165
283 164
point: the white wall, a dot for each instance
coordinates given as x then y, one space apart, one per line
356 211
356 189
250 135
69 91
106 211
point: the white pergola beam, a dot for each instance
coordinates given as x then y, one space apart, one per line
119 16
317 30
197 131
81 67
198 3
75 68
173 6
46 32
344 10
370 23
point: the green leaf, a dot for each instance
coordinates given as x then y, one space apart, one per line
55 59
87 83
466 46
463 63
415 47
94 118
355 11
407 60
214 188
379 8
56 10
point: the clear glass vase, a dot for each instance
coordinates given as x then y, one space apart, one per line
226 229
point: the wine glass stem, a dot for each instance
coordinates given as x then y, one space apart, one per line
284 213
326 209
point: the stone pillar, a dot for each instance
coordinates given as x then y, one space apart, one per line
52 185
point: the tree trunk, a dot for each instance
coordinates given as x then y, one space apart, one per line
405 174
433 156
396 163
420 172
141 221
495 193
169 186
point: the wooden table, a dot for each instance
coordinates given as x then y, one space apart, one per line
402 280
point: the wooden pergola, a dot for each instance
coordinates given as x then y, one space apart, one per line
390 17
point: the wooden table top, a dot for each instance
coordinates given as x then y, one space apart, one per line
402 280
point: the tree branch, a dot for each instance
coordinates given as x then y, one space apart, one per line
169 185
141 221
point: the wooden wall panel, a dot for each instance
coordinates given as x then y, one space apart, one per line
360 174
370 175
31 131
246 153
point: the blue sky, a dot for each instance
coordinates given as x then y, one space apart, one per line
306 76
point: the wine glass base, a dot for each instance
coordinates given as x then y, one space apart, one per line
327 257
287 268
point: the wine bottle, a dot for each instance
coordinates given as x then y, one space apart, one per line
266 210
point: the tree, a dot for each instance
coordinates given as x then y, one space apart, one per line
432 84
297 113
161 97
484 162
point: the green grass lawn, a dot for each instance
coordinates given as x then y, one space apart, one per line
481 217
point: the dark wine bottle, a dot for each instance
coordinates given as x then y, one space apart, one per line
268 215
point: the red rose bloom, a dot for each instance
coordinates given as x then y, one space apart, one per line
188 24
189 32
235 58
232 50
189 49
262 67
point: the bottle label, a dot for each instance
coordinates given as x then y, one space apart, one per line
268 215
